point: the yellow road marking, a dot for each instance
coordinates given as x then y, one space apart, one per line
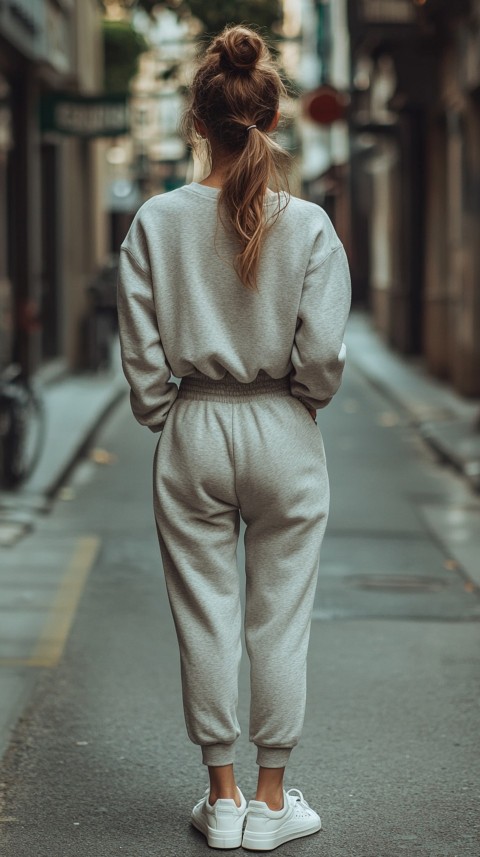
49 646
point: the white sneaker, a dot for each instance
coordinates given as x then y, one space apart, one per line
221 823
267 828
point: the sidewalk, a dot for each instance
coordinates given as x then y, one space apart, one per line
74 406
448 422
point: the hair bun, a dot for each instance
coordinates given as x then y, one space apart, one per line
240 49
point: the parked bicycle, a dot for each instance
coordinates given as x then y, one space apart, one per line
22 426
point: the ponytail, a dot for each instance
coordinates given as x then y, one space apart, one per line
236 93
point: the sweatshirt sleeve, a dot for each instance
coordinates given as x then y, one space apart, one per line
143 359
319 352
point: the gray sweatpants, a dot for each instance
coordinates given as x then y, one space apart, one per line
231 448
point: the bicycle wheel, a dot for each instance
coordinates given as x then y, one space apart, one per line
24 417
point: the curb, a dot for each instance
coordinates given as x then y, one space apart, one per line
20 507
84 442
456 441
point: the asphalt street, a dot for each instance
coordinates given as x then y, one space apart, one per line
100 764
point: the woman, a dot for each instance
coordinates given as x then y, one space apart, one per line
243 294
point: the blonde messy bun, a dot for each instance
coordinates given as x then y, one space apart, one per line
239 49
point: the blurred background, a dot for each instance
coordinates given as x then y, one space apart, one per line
383 121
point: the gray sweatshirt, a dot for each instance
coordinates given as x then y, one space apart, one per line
181 306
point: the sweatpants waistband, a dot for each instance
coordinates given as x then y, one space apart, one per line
199 386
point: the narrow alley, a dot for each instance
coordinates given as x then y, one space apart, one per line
390 747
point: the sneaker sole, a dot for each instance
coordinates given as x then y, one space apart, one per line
253 841
218 838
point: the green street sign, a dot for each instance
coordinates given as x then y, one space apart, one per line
84 115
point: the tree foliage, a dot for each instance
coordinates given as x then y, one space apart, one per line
266 14
215 14
122 46
129 5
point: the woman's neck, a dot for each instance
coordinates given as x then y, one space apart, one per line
215 178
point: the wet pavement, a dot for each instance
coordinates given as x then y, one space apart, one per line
99 762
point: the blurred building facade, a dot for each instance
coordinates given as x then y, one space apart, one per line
52 224
315 53
415 178
153 158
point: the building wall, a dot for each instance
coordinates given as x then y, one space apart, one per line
452 270
54 233
85 239
321 56
422 273
20 275
436 333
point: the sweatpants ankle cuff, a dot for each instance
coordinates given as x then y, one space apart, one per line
218 754
273 757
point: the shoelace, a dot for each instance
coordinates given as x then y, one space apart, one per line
298 798
206 792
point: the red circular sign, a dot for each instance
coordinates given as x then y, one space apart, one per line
325 105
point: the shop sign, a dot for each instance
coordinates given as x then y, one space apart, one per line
83 115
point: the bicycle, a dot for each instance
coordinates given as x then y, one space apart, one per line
22 427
